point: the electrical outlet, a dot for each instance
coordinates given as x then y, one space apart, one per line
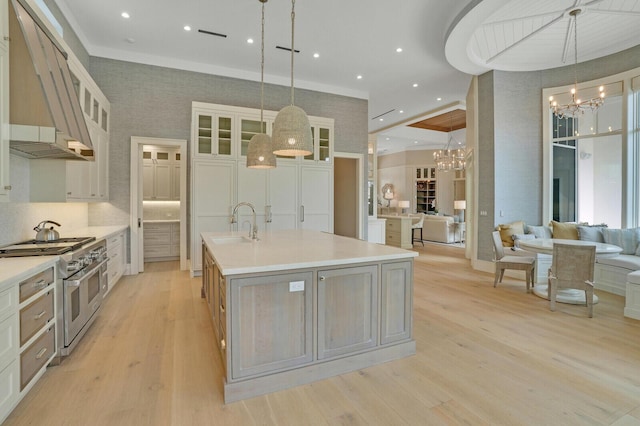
296 286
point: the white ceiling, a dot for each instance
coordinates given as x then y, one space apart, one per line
355 38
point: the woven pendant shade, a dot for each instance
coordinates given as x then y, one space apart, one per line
260 152
292 132
291 129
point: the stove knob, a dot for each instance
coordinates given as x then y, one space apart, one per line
73 266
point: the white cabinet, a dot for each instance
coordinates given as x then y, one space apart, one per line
27 334
161 241
212 198
116 253
298 193
5 185
161 173
316 198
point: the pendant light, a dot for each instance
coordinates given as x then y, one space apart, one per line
260 151
291 129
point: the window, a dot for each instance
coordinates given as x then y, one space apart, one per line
587 177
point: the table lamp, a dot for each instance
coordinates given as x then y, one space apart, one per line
461 206
404 205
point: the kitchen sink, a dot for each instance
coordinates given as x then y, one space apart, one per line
231 240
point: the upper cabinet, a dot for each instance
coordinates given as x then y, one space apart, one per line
161 169
5 185
224 132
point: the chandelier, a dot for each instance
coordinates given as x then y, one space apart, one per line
450 158
577 106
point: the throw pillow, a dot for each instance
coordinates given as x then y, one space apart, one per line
627 239
590 233
519 237
539 231
507 231
564 230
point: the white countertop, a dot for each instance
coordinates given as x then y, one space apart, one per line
14 269
293 249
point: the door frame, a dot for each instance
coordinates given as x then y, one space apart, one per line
361 189
137 231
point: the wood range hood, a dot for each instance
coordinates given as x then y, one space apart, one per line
45 113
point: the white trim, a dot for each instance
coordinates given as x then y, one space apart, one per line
363 196
137 234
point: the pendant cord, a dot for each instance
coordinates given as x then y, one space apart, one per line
575 52
262 73
293 18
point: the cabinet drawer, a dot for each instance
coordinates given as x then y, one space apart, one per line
34 316
115 241
7 302
35 283
393 237
157 227
392 225
157 238
8 388
36 356
157 251
8 341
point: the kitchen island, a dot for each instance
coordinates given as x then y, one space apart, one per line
298 306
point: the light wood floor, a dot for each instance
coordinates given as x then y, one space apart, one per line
485 356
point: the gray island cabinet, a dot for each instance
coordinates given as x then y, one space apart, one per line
298 306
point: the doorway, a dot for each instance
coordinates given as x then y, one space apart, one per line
174 204
347 195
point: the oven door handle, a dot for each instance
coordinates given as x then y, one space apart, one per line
92 272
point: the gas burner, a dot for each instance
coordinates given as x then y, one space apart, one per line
45 248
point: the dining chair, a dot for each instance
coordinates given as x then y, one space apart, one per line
417 225
503 262
572 267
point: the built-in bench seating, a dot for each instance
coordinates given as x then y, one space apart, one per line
617 274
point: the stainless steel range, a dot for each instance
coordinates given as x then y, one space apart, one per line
81 282
84 283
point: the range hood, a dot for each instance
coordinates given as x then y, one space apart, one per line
45 114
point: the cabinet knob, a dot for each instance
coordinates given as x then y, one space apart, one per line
7 188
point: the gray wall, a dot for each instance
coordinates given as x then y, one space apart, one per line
156 102
510 139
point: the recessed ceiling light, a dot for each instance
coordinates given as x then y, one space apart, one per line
399 49
438 99
382 119
187 28
125 15
415 141
250 40
401 112
415 84
387 139
359 77
316 55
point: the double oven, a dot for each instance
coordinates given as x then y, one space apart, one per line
80 285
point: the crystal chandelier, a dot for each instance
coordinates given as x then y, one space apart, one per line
450 158
577 106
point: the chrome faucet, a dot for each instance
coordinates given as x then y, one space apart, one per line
253 230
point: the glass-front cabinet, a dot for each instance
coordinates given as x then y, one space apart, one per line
224 132
214 134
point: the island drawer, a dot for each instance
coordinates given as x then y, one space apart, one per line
36 356
35 283
35 315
